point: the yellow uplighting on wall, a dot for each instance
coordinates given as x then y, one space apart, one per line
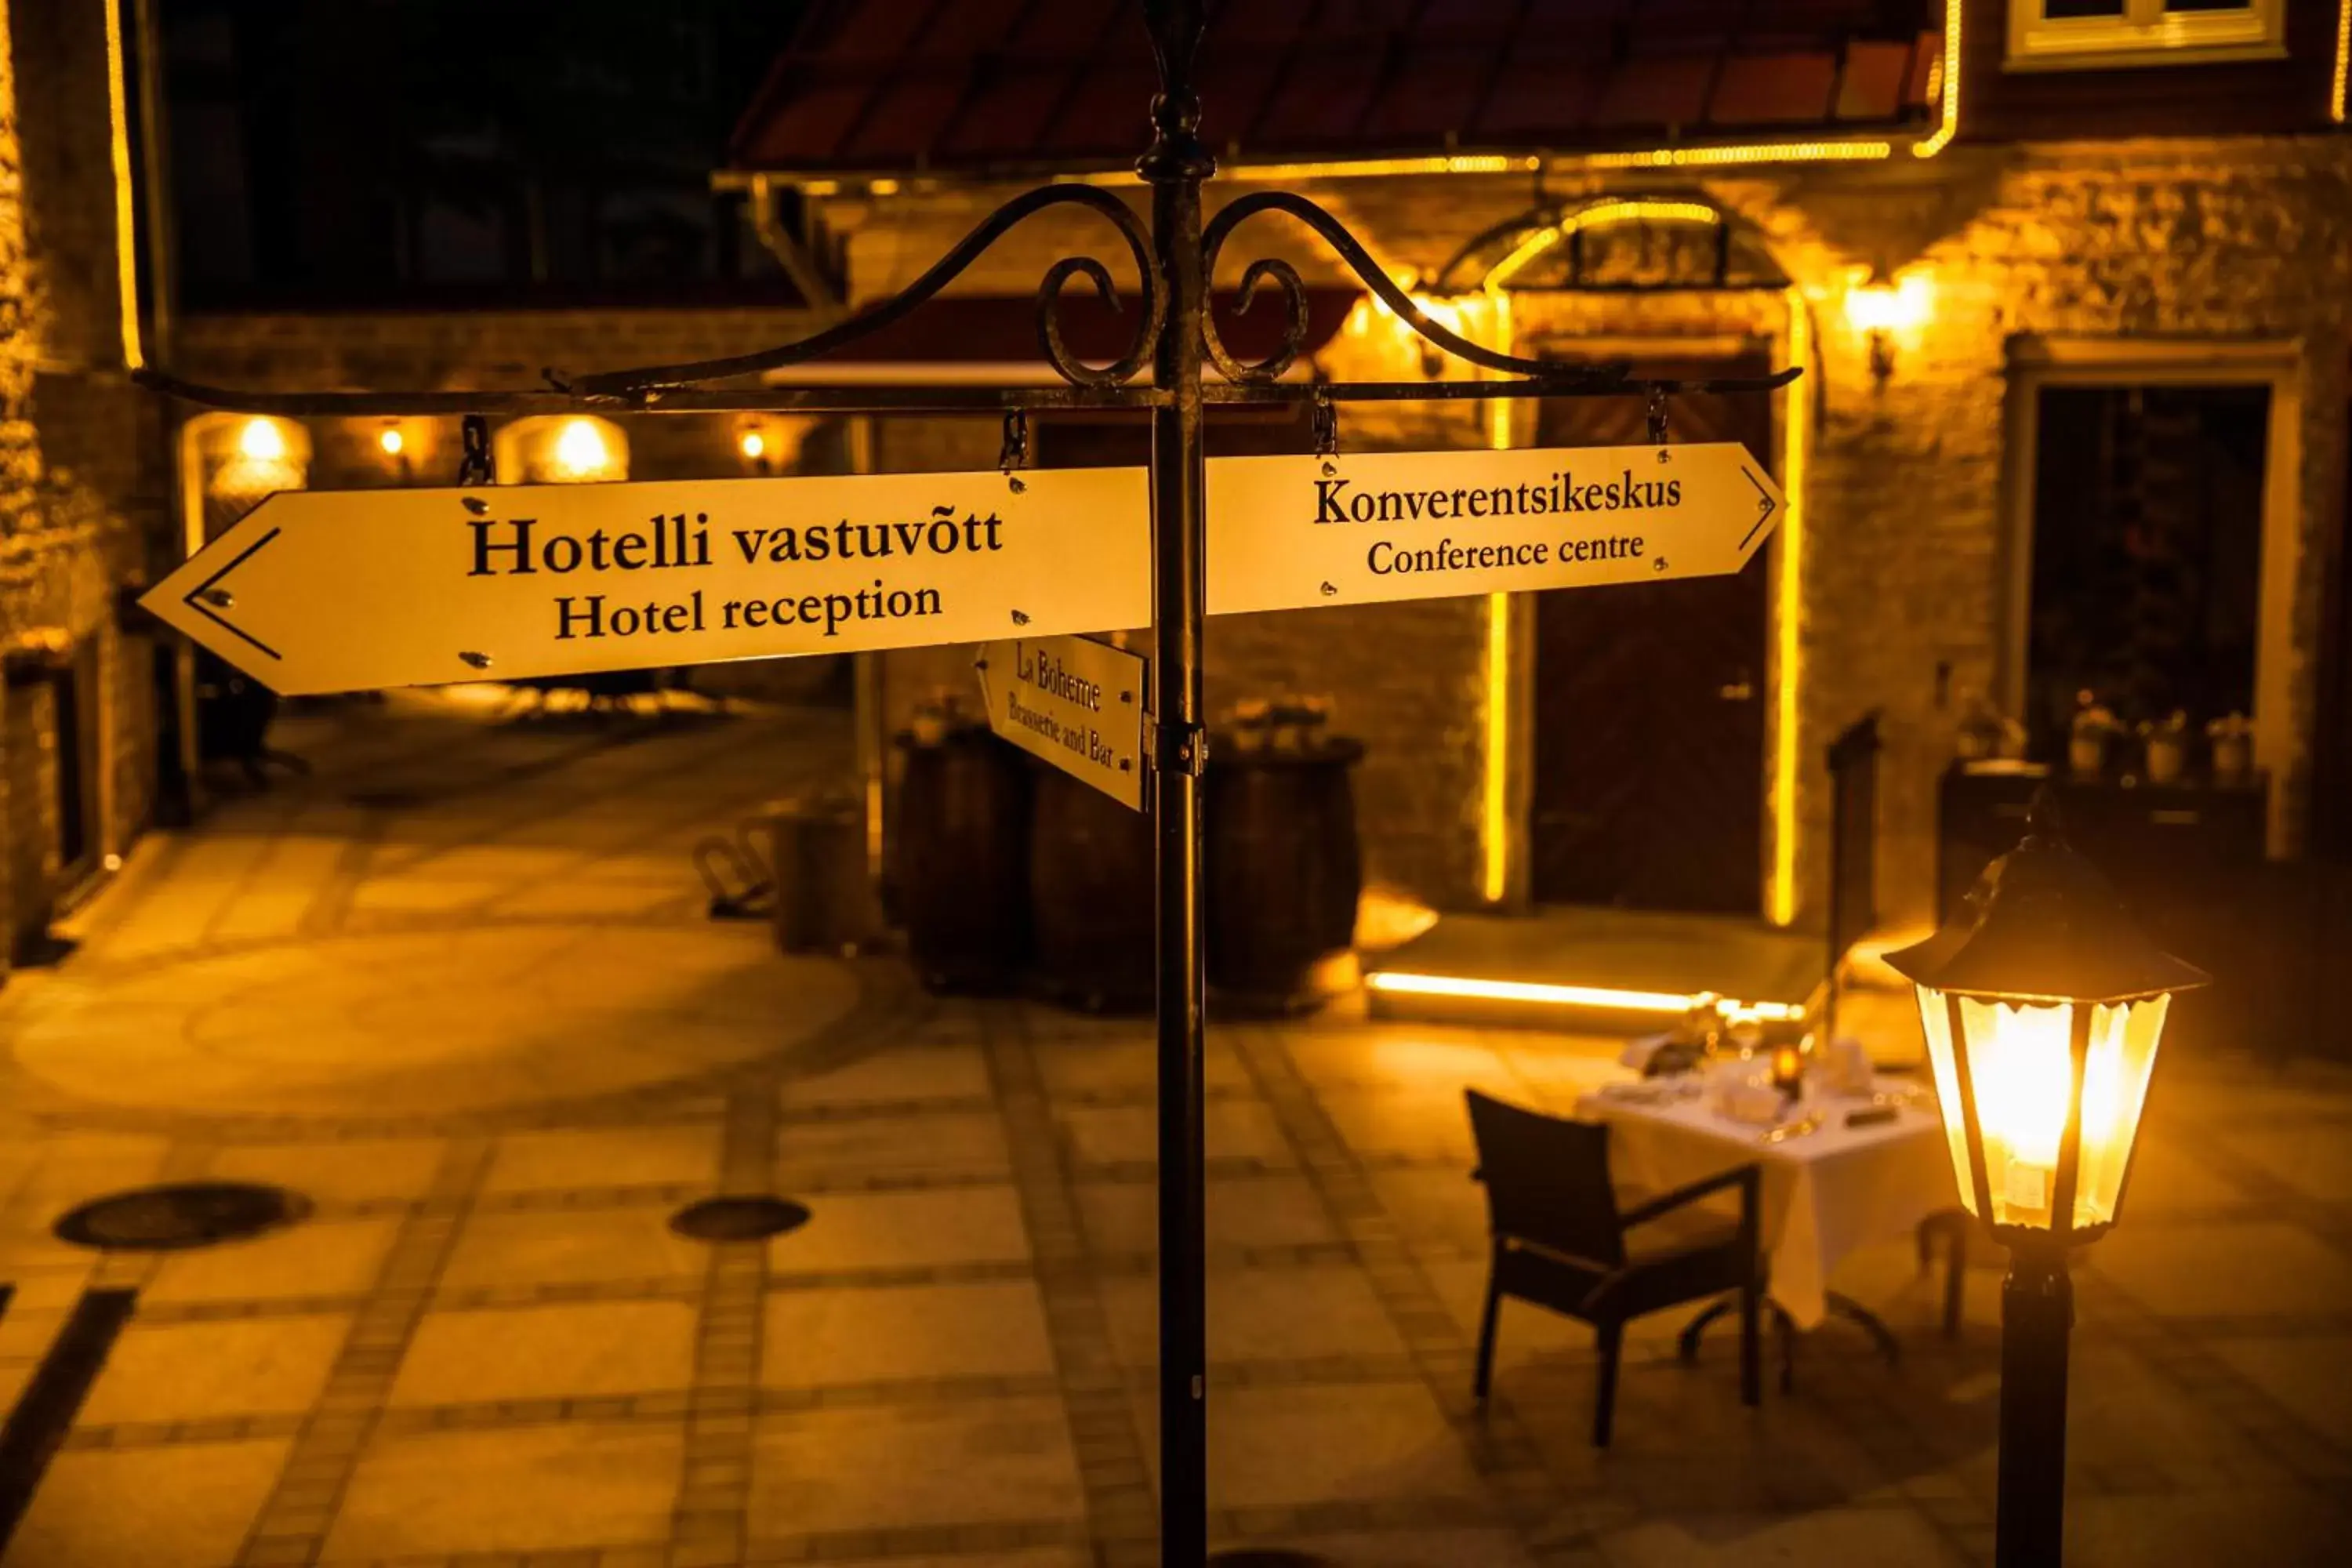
1815 151
1493 880
1495 803
126 233
2343 62
1599 214
1347 169
1781 900
1750 152
1949 125
1470 988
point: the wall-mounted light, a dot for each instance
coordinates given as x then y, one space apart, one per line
1889 314
754 445
245 459
393 442
261 441
1473 316
771 443
579 450
559 449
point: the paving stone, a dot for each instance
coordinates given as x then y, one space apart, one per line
566 1350
317 1258
825 1337
575 1158
546 1488
179 1371
860 1469
139 1508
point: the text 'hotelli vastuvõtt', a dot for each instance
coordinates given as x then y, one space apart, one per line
523 547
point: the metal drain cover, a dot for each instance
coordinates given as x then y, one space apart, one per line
739 1219
183 1215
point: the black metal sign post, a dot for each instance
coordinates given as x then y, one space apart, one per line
1175 167
1174 262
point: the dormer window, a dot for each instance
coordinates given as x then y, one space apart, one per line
2099 35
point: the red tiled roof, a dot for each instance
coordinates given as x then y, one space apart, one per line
987 86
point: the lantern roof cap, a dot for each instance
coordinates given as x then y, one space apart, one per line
2042 921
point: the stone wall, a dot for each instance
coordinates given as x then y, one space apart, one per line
1901 598
1902 508
81 491
428 351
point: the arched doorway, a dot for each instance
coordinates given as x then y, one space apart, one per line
1649 715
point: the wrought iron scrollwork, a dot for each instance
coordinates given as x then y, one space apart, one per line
1293 332
1360 261
647 382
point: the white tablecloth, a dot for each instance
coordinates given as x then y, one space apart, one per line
1824 1193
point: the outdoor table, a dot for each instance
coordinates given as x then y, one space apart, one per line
1825 1193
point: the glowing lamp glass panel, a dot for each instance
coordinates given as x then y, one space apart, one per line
2018 1063
392 441
753 444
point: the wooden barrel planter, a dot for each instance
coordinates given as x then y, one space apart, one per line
1090 889
960 870
1284 874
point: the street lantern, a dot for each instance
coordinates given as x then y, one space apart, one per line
2043 1009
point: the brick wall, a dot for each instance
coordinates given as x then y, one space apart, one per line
2243 239
1904 504
81 491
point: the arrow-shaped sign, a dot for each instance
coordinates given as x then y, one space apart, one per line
336 590
1288 532
344 590
1075 702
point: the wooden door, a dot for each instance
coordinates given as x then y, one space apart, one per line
1648 701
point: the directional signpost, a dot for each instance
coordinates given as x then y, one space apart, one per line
336 590
1077 703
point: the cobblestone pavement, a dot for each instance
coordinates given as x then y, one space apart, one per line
458 989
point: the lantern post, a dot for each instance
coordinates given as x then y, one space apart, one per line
2042 1006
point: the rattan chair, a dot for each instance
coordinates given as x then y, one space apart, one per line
1561 1241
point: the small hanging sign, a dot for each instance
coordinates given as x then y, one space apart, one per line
1072 701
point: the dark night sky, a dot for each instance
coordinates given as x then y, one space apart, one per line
343 151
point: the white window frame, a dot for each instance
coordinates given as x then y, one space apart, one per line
2147 34
2035 362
